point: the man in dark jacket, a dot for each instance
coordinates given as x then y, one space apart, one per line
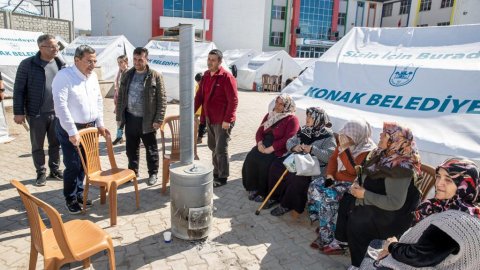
141 105
218 97
32 101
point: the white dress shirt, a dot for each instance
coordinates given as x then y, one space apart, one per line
77 99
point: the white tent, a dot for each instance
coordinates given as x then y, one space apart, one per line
14 47
164 57
305 62
425 78
271 63
107 48
239 57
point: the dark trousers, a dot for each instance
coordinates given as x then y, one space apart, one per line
133 134
218 139
73 174
42 125
255 171
202 129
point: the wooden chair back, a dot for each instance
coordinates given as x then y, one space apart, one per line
427 180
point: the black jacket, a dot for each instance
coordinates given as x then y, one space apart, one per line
29 86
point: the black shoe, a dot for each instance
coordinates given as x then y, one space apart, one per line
41 180
80 201
279 211
56 174
152 180
269 204
118 140
73 207
199 140
218 182
252 194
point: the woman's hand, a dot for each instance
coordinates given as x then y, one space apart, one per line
384 253
268 150
306 148
357 191
261 147
297 148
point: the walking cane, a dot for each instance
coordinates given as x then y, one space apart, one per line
271 192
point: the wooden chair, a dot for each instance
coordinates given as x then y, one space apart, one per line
272 85
279 83
75 240
173 123
427 180
108 180
265 82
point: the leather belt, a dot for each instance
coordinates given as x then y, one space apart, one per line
86 125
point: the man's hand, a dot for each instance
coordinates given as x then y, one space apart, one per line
157 125
2 96
19 119
225 125
75 139
103 131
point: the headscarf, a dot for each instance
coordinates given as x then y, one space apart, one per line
360 132
288 109
465 175
320 128
401 156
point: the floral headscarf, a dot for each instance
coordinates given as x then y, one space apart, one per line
360 132
465 175
320 128
288 109
401 156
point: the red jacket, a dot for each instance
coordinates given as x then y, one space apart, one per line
221 105
348 174
282 131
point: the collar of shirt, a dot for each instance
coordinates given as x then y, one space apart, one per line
79 73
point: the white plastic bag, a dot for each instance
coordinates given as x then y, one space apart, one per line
306 165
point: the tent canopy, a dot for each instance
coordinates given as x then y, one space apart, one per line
107 48
424 78
239 57
271 63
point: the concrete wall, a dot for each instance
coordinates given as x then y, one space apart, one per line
434 15
239 24
46 25
467 12
131 18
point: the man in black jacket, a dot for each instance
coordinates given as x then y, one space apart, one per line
33 102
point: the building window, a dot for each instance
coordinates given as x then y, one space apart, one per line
183 8
278 12
425 5
405 7
342 17
447 3
443 24
316 19
422 25
276 39
387 10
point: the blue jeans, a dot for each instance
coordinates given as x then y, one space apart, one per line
73 174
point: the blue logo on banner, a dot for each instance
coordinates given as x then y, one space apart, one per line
402 75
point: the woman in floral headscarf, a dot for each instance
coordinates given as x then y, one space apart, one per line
276 127
324 194
385 201
316 138
447 233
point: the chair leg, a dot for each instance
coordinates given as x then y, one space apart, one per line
85 197
165 174
111 255
103 195
137 196
51 264
86 263
33 257
112 194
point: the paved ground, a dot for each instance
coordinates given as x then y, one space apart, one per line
238 239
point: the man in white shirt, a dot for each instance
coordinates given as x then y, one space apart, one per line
78 104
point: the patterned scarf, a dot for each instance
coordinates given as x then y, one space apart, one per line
360 132
288 109
401 156
320 128
465 175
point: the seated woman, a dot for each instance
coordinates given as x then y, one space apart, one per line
315 138
384 203
447 234
325 193
276 128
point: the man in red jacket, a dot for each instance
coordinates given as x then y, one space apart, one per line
218 95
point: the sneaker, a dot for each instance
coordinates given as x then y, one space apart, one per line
80 201
279 211
56 174
73 207
41 180
152 180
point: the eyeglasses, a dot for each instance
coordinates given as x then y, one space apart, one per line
90 62
53 47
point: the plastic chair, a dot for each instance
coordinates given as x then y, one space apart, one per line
426 181
173 123
75 240
108 180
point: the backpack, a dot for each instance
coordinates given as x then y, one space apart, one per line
234 70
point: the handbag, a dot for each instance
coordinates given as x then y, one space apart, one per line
306 165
